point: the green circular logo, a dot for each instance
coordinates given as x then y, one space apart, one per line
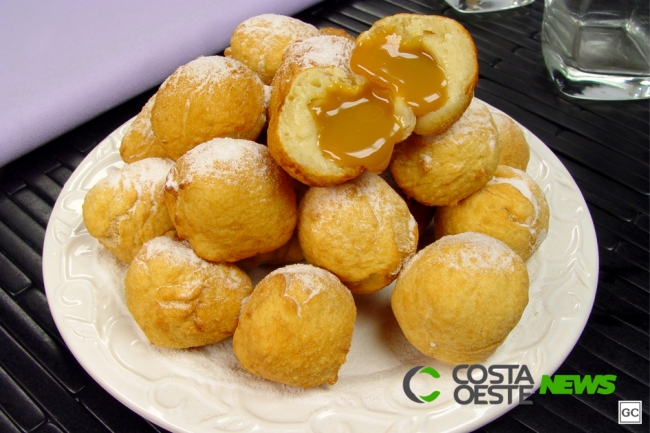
407 384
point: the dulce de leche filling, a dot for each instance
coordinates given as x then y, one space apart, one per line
356 123
402 65
357 126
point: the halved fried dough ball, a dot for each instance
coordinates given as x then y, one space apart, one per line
458 299
180 300
127 208
440 170
208 97
511 208
296 327
259 42
361 230
231 200
451 47
310 67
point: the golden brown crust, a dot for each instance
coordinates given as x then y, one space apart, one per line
139 141
230 200
459 298
296 327
515 151
361 230
127 208
441 169
334 31
181 301
287 254
452 47
511 208
207 98
423 214
259 42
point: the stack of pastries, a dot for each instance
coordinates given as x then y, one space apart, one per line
325 157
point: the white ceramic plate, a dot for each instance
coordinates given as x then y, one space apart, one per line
205 390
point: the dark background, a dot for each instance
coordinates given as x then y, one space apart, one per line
604 145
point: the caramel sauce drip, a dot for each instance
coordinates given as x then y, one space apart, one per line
357 126
404 67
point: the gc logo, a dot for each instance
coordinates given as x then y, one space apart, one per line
629 412
407 384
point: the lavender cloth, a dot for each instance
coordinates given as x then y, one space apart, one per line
64 62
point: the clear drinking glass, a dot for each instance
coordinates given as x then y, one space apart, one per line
476 6
598 49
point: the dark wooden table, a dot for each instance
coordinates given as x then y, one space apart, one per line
604 145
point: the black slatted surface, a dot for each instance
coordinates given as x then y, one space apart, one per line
605 146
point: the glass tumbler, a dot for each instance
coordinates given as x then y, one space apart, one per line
476 6
598 49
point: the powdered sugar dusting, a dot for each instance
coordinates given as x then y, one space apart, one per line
540 239
207 69
226 158
322 50
171 182
479 252
305 269
375 189
267 26
142 123
145 171
311 279
181 253
386 212
267 95
175 251
523 186
145 175
501 120
476 118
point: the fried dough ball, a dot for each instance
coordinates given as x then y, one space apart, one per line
208 97
361 230
511 208
260 42
458 299
230 200
287 254
452 48
423 214
335 31
440 170
127 208
180 300
515 151
296 327
310 69
139 141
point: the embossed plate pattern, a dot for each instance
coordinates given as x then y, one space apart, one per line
205 390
